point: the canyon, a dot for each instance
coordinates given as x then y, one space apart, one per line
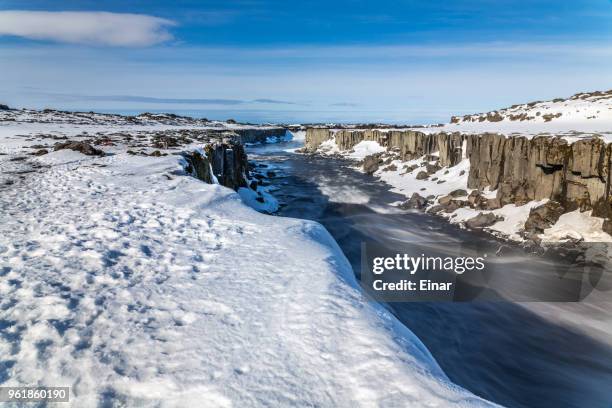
576 175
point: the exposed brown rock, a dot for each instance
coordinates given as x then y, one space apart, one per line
371 163
483 220
458 193
543 217
40 152
81 147
415 202
422 175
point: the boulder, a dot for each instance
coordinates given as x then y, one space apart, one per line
411 168
371 163
607 226
458 193
4 107
82 147
432 168
483 220
40 152
391 167
445 200
584 203
435 209
474 198
422 175
415 202
490 204
543 217
454 205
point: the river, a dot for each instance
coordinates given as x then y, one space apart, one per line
502 351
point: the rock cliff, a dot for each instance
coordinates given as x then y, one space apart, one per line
224 161
576 175
408 143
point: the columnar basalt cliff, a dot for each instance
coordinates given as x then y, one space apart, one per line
408 143
575 175
225 162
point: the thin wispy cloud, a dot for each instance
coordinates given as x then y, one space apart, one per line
169 101
90 28
345 104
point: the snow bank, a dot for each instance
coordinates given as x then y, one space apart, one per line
406 183
136 284
577 225
365 148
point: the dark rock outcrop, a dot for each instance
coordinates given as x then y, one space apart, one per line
458 193
371 163
543 217
576 175
422 175
81 147
415 202
224 161
40 152
483 220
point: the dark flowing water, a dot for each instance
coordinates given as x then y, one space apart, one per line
500 351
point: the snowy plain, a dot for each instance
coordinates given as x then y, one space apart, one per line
134 283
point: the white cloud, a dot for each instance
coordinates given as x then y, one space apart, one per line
92 28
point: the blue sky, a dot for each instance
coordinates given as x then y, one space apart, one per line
302 61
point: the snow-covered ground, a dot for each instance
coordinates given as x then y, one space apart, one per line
579 115
137 284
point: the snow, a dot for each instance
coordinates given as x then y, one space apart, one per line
269 205
407 183
298 135
579 116
328 147
275 139
577 225
137 284
514 218
364 149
